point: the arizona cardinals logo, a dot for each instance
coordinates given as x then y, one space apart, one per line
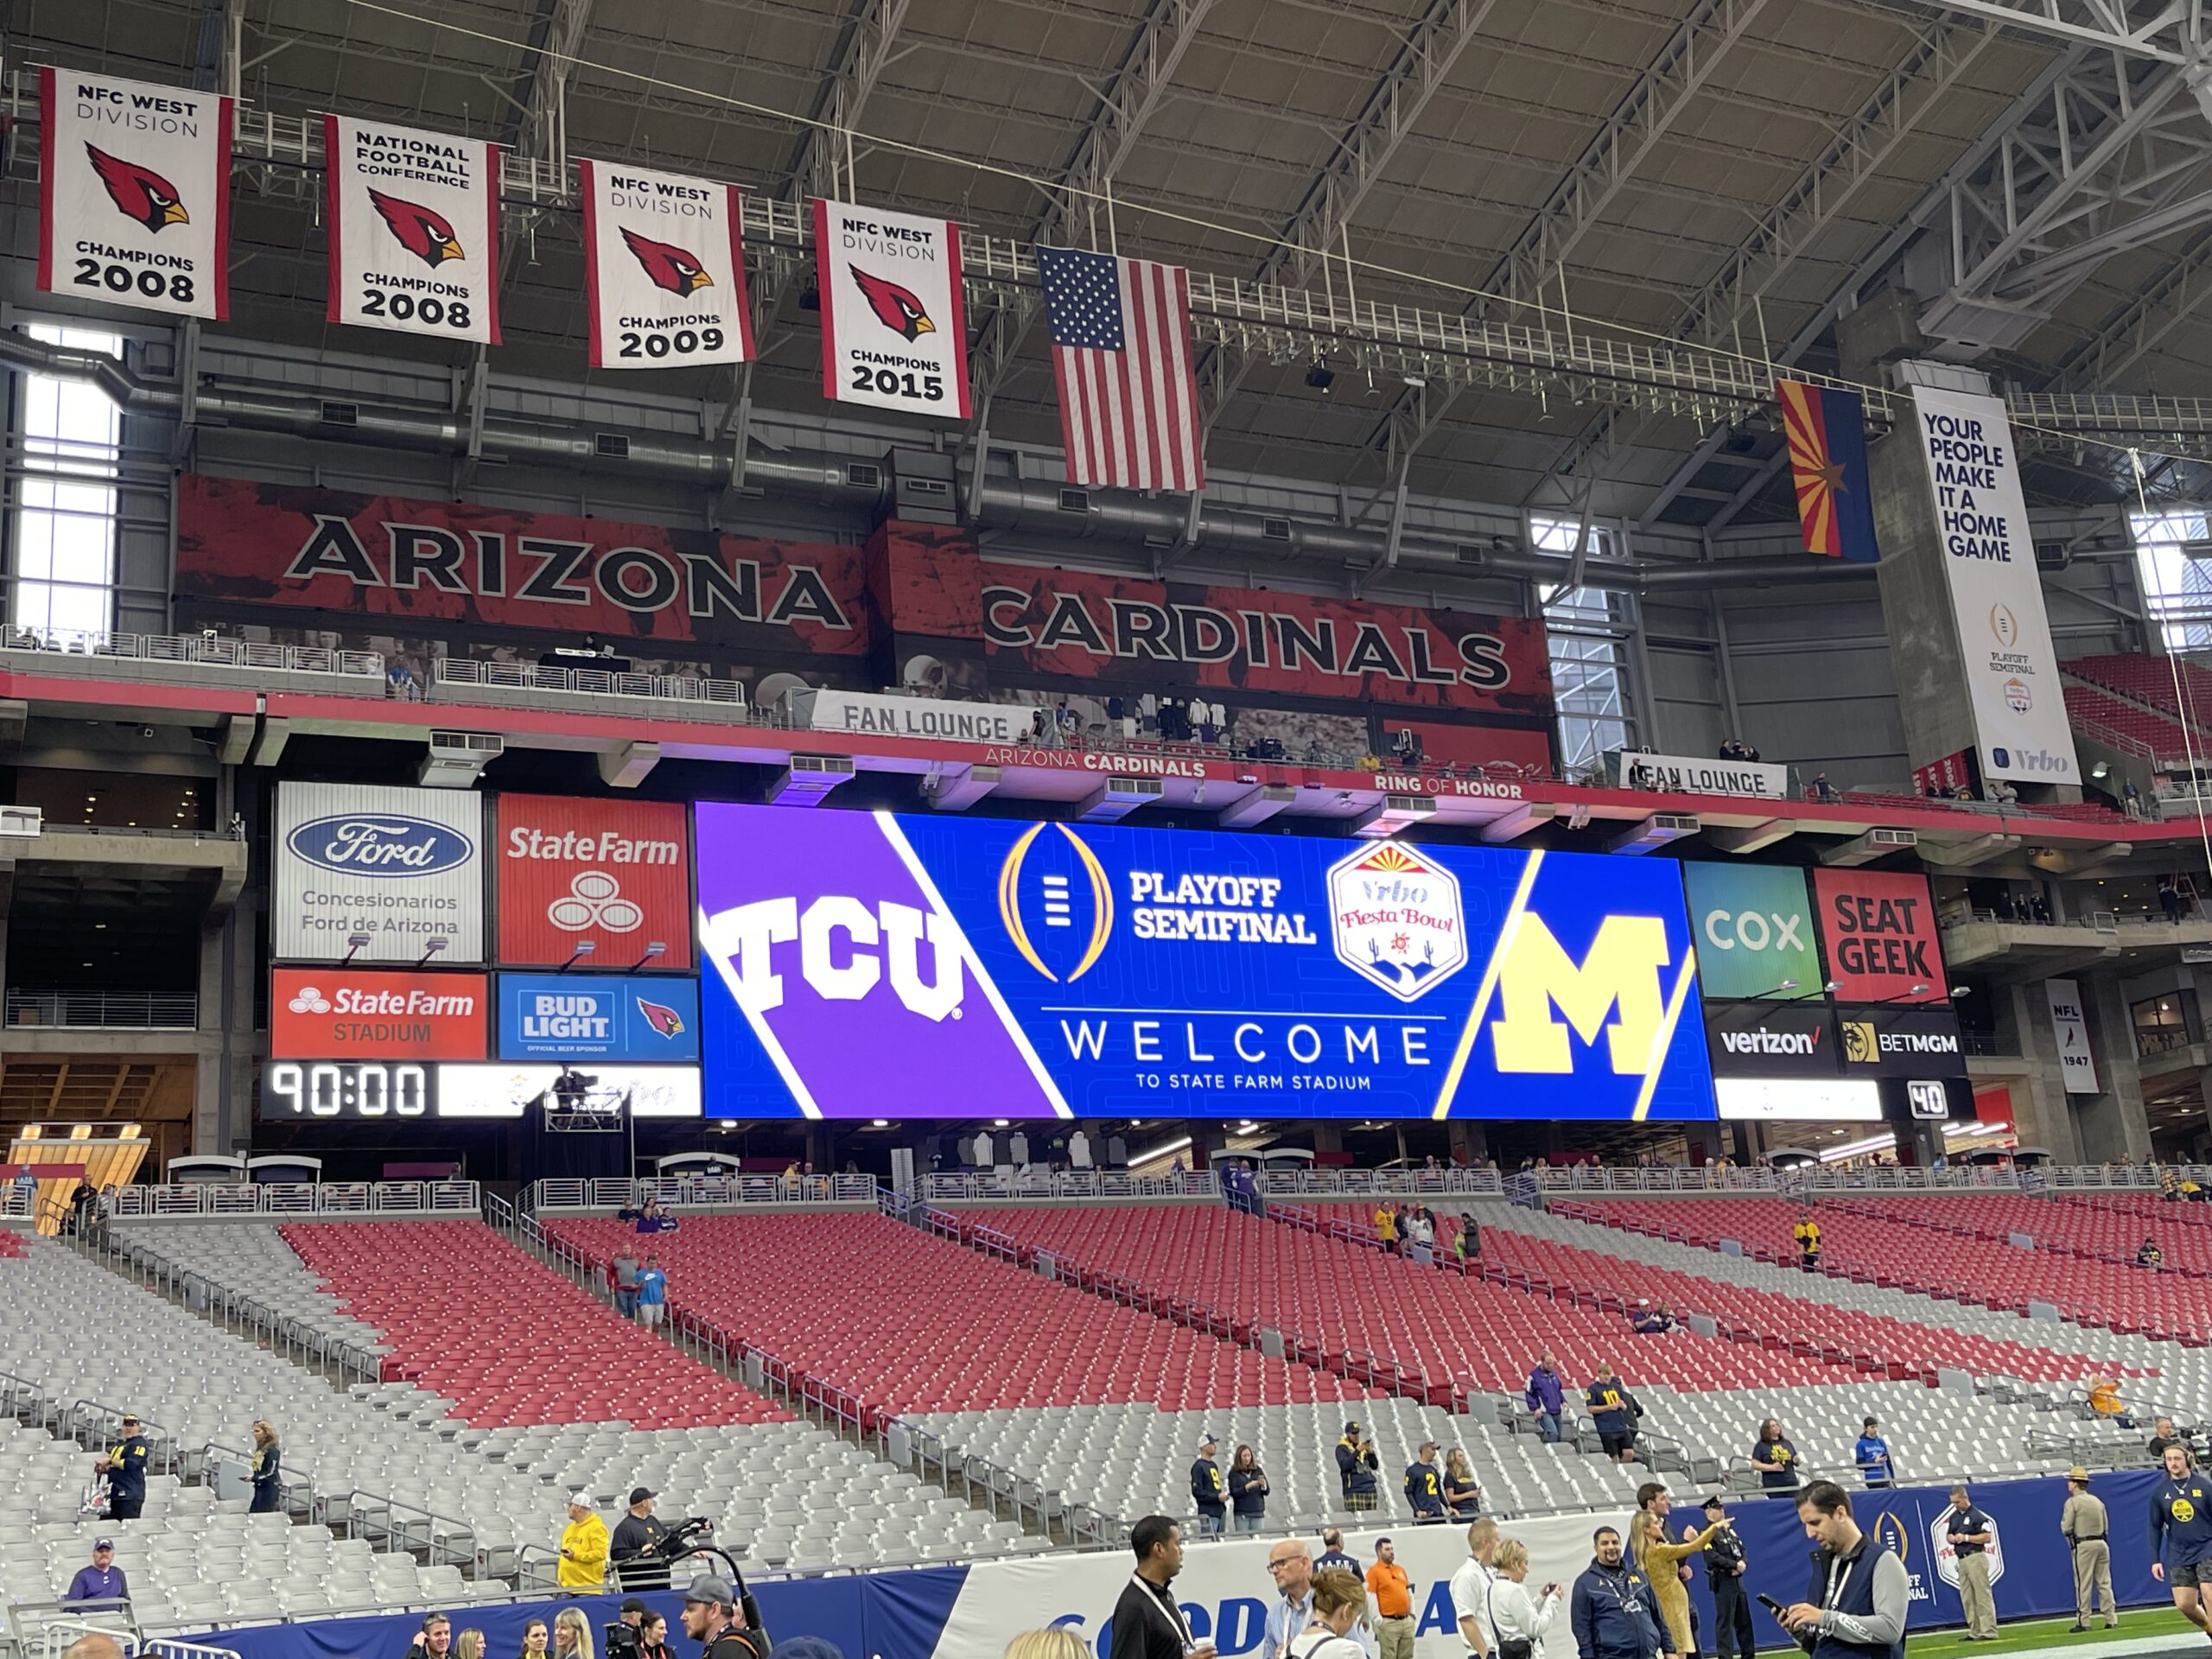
901 313
669 267
141 192
422 231
663 1019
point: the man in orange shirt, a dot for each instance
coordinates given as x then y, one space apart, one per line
1394 1606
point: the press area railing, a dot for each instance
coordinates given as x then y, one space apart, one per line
905 1445
678 1192
321 1199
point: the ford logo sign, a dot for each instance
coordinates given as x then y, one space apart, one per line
380 844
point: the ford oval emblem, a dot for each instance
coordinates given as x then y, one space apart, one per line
380 844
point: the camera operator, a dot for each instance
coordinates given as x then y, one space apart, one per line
639 1562
711 1618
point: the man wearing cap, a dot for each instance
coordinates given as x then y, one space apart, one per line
124 1465
101 1582
583 1547
2083 1520
1391 1596
635 1548
711 1618
1356 1466
1725 1562
1425 1488
1209 1490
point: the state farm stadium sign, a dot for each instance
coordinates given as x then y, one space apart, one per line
615 875
341 1014
400 870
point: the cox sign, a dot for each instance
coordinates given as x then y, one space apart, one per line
399 868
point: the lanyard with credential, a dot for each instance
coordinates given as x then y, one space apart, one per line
1165 1601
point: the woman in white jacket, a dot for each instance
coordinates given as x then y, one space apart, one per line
1518 1616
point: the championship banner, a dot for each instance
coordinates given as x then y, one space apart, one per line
664 270
894 324
414 230
134 194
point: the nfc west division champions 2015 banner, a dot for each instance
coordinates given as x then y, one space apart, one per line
894 322
1047 970
134 194
414 230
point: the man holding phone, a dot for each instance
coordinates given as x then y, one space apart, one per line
1147 1623
1855 1606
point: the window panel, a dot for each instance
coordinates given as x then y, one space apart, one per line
63 534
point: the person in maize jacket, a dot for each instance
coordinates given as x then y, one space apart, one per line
124 1465
2181 1537
1209 1489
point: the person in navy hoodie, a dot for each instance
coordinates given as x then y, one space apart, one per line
1208 1489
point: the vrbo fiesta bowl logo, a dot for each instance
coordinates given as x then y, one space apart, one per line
380 844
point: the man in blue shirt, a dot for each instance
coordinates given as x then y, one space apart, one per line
1873 1455
1612 1413
1208 1489
652 1291
1612 1611
2181 1537
102 1581
1425 1487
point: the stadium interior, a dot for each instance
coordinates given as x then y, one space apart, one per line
933 749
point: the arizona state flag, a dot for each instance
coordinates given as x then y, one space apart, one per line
1827 430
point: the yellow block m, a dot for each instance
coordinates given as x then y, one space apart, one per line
1620 972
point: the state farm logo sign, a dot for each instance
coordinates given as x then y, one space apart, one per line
326 1013
369 874
613 874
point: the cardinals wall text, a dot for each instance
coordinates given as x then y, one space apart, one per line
248 550
664 270
134 195
895 325
414 230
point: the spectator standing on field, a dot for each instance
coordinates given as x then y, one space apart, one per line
1391 1594
1515 1615
1333 1552
2086 1528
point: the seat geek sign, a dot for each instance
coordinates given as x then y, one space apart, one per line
400 869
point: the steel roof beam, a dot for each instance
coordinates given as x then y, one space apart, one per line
2169 31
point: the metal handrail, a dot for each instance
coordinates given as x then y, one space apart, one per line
682 1192
108 1010
409 1528
321 1199
205 649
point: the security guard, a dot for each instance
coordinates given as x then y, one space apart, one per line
2181 1537
124 1465
711 1618
1209 1490
1425 1487
2085 1526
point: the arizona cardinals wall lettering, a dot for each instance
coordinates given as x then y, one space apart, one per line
414 230
134 193
664 270
895 334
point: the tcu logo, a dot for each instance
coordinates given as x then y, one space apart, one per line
845 950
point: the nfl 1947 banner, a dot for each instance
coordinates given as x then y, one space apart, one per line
664 270
134 194
894 327
414 230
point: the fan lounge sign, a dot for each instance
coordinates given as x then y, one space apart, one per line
1674 774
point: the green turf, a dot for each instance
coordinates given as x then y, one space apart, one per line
2028 1635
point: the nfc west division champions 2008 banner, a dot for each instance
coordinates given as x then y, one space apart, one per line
1053 969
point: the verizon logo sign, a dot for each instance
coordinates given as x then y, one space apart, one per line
1762 1041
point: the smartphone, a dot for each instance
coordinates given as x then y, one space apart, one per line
1771 1606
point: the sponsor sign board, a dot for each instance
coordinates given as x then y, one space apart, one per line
613 874
1996 604
2069 1027
134 194
1754 930
872 715
1778 1039
589 1016
401 868
1880 931
1906 1041
508 1090
1677 774
354 1013
1067 970
1809 1100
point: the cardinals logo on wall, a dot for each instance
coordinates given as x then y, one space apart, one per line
414 230
664 270
114 225
895 327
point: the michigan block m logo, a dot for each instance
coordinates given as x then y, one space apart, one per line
1618 977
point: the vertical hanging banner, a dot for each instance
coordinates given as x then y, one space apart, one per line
2069 1029
414 230
1825 429
894 323
1989 564
664 270
134 194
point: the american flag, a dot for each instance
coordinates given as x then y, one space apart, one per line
1121 357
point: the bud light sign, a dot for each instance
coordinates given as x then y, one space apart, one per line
370 873
576 1016
878 965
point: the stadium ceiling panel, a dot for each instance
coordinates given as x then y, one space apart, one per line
1728 175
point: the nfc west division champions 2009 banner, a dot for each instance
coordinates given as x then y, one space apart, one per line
1045 969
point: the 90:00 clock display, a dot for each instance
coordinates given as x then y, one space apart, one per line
351 1089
